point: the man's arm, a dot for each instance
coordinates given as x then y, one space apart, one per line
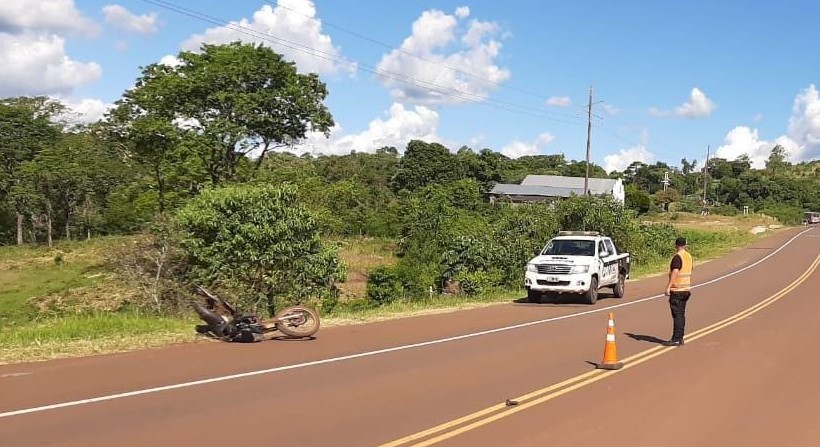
674 270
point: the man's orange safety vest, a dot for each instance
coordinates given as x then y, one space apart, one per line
683 282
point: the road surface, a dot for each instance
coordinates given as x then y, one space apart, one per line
743 378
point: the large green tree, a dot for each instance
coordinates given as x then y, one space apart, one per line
221 103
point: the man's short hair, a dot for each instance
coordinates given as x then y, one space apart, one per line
680 242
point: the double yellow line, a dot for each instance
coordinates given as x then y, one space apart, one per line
491 414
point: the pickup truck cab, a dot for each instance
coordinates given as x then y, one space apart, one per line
577 262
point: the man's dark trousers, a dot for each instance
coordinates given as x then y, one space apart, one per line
677 303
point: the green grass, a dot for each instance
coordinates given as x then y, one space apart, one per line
704 246
19 285
78 335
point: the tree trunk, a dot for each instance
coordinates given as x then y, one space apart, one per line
89 233
68 230
19 229
49 228
160 187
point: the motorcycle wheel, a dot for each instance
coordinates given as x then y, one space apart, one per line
298 321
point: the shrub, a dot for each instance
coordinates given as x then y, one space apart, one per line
384 285
257 240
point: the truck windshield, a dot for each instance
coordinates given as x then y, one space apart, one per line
570 247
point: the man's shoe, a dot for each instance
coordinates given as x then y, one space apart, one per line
673 343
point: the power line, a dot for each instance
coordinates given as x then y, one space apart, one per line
407 53
540 113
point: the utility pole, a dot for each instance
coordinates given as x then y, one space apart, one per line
589 133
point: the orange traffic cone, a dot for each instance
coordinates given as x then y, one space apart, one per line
610 349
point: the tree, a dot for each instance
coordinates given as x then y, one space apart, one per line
228 100
777 159
27 125
426 163
259 239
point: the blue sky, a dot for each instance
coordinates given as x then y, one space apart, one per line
674 77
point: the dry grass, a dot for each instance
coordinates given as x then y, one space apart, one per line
361 255
714 223
57 349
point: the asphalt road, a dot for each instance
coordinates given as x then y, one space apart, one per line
743 378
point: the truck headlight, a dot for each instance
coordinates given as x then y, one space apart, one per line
532 268
580 269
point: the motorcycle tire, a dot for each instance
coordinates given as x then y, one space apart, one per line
298 321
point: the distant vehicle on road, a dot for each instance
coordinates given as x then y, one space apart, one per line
811 218
579 263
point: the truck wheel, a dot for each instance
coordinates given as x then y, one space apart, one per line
533 296
591 295
618 288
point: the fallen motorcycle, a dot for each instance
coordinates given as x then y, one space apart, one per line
294 321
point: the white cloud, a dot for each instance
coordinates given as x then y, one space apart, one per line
560 101
294 24
801 142
35 64
698 106
401 126
804 124
517 148
743 140
84 111
438 77
170 60
625 157
45 15
127 21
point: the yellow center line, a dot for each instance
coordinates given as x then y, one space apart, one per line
540 396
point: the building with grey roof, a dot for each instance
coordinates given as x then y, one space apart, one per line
548 188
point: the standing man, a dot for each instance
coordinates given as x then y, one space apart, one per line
678 289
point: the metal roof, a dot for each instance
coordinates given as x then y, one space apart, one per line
596 185
528 190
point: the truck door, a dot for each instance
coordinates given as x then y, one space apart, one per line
609 267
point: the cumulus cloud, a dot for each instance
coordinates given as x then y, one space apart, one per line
293 23
33 51
804 124
53 16
422 71
400 126
744 140
516 148
36 64
84 111
801 141
170 60
127 21
560 101
625 157
698 106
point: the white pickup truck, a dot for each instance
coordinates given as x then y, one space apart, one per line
577 262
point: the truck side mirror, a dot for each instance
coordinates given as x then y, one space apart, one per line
604 254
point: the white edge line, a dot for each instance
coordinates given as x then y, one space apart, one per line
377 352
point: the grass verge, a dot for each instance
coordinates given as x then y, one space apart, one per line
81 335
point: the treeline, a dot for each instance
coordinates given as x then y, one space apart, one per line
192 156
